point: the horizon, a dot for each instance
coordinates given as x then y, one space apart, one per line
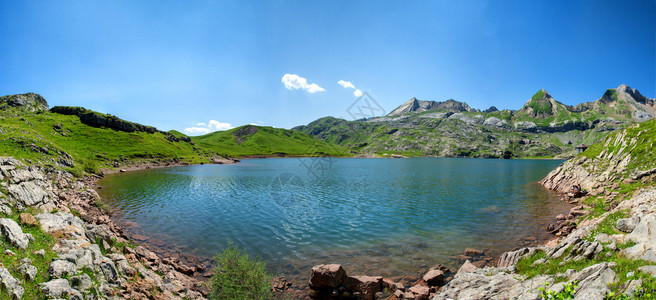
201 67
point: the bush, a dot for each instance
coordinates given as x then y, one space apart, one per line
90 166
237 276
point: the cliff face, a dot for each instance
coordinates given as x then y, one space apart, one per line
623 156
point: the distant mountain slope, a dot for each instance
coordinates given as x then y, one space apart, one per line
259 140
543 127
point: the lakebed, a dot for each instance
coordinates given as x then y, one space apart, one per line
387 217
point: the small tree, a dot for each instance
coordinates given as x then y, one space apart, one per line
237 276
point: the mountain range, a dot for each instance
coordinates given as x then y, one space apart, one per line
543 127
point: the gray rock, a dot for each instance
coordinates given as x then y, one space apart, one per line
29 271
82 282
109 270
41 252
510 258
29 194
593 281
633 288
644 235
55 288
604 238
123 265
11 284
648 269
14 233
627 224
61 268
67 222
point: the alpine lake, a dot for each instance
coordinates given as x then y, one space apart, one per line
386 217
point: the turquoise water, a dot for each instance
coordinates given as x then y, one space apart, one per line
376 216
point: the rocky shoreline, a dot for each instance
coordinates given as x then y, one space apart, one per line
91 254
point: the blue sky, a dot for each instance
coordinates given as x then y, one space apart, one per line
175 64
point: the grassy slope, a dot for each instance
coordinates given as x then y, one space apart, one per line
266 141
47 138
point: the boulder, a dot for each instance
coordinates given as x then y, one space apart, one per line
13 233
28 271
434 278
56 288
11 284
27 219
327 276
82 282
593 281
109 270
627 224
367 286
61 268
644 235
67 223
421 292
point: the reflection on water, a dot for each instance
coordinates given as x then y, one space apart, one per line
376 216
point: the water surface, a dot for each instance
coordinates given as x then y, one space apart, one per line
376 216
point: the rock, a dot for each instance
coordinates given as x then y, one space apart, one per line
109 270
604 238
491 283
27 219
29 271
55 288
627 225
123 265
82 282
145 253
510 258
392 286
70 225
593 281
644 235
421 292
473 252
648 269
434 278
61 268
327 276
368 286
11 284
29 194
9 252
41 252
467 267
13 233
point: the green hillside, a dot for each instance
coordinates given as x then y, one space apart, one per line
78 139
258 140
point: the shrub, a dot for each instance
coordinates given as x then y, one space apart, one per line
237 276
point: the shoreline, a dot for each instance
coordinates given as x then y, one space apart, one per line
204 264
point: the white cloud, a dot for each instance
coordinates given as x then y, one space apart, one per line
346 84
349 85
295 82
205 128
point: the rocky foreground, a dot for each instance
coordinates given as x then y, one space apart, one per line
59 243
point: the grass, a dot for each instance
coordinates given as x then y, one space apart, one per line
607 225
259 140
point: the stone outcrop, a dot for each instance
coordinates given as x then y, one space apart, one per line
27 102
85 242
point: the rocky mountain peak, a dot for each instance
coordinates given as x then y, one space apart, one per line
29 102
415 106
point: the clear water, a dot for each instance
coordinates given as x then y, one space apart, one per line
375 216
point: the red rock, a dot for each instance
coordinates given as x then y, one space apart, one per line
421 292
392 286
434 278
463 257
327 276
368 286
